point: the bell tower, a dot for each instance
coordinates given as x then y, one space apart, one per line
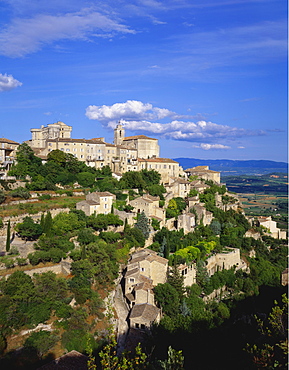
118 134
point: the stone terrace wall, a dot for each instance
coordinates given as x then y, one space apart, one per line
36 217
61 268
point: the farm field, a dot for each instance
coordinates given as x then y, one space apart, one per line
265 195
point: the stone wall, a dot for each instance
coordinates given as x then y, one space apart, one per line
61 268
36 217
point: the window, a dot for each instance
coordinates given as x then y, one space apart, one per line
131 280
137 326
142 268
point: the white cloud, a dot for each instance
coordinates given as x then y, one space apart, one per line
27 35
211 146
8 82
131 109
139 116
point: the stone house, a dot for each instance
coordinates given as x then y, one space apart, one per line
179 187
202 214
150 206
145 270
271 225
8 150
143 315
199 185
186 221
225 261
189 274
205 173
166 167
97 202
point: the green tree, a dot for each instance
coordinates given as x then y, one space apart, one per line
132 180
8 237
151 177
176 280
28 229
2 196
168 298
42 341
20 192
143 224
86 179
271 350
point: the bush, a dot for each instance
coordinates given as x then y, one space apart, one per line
44 197
20 193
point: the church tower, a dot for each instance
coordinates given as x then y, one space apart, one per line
118 134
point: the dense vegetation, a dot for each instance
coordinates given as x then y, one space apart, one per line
192 326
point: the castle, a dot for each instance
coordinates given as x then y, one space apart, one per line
132 153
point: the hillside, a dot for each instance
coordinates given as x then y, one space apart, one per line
236 167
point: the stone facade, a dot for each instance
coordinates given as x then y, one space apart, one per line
166 167
205 173
97 202
225 261
179 187
271 225
8 150
189 274
58 130
186 221
150 206
145 270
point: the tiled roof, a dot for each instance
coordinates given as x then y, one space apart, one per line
86 141
138 137
157 160
7 141
145 310
72 360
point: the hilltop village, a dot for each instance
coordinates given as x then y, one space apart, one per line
164 222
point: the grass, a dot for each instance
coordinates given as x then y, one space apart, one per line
12 210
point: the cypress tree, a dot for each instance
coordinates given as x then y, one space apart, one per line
42 221
8 237
47 227
143 224
83 253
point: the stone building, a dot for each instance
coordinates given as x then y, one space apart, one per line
179 187
58 130
202 215
150 206
97 202
143 315
166 167
145 270
187 222
189 274
225 261
203 172
8 150
146 147
271 225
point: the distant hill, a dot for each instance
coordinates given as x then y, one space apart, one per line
235 167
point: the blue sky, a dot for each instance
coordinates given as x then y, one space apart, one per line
208 78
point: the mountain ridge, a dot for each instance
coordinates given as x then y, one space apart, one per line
235 166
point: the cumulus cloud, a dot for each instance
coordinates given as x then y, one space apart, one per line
131 109
8 82
211 146
139 116
27 35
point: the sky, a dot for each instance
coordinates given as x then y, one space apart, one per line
207 78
